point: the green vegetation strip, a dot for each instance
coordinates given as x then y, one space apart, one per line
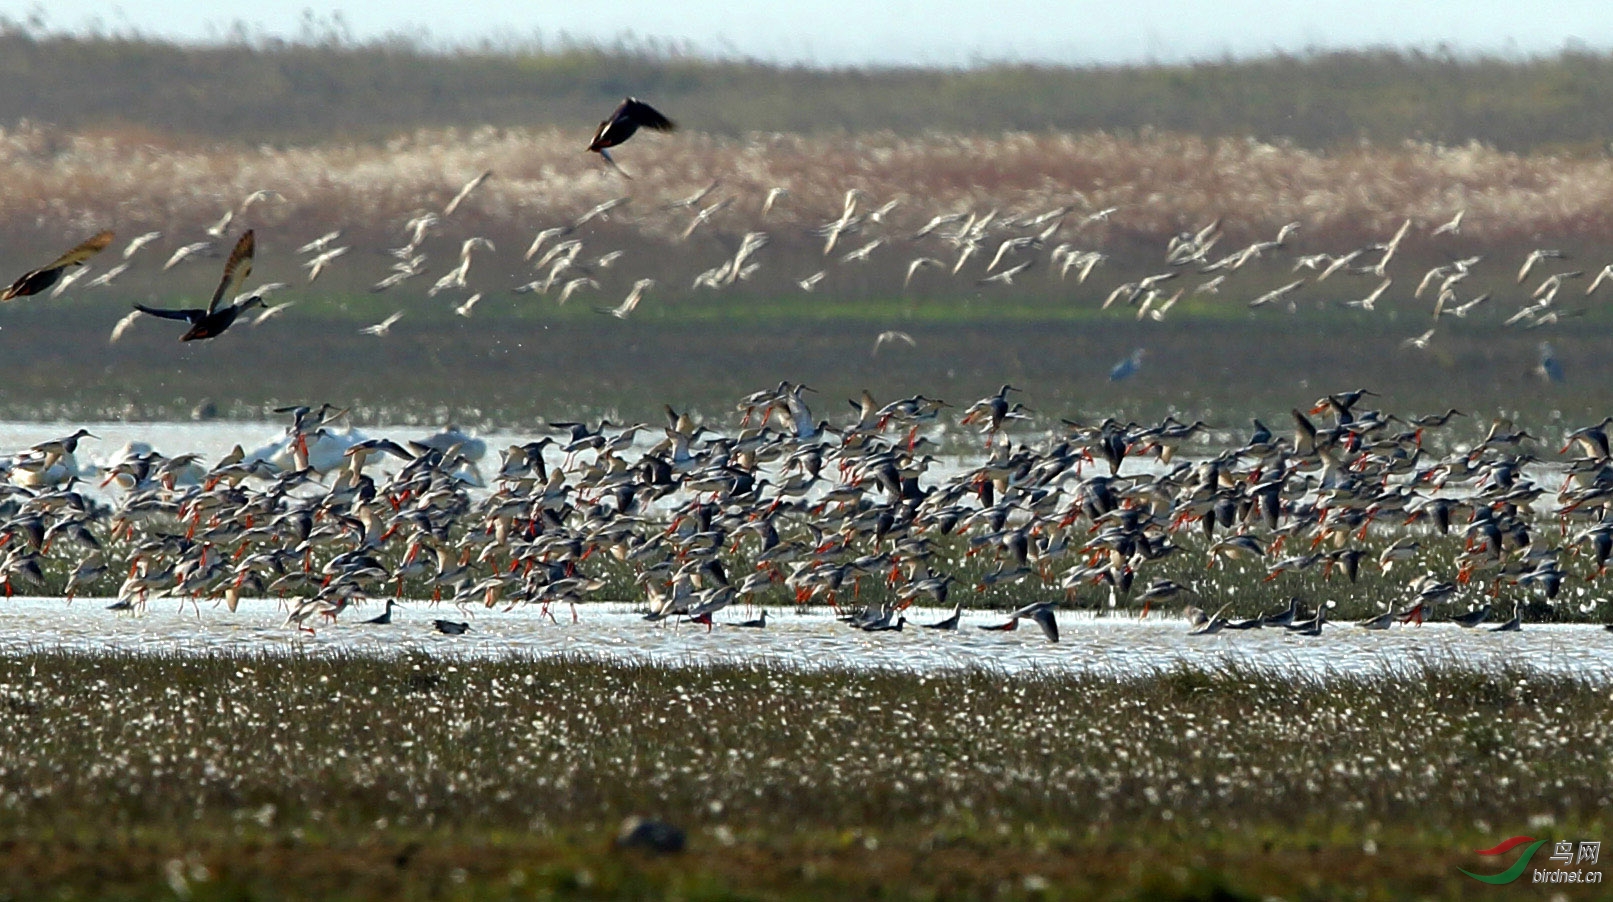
355 777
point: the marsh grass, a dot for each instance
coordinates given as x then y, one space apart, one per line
331 765
67 180
321 83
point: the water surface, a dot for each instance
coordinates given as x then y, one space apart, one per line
809 638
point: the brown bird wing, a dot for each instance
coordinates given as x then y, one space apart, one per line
236 269
37 280
83 252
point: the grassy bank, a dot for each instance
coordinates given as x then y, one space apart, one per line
356 777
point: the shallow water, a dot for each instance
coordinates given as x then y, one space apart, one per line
1105 645
214 439
211 439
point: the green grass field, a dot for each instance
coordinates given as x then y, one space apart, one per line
138 776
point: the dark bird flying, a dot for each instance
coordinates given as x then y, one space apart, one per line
628 118
212 321
44 277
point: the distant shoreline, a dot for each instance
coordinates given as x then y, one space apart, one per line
248 91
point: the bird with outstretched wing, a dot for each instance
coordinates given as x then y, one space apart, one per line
38 280
215 319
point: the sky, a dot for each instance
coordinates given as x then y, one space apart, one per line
891 32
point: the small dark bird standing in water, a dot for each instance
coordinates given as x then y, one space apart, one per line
627 119
44 277
212 321
450 627
385 616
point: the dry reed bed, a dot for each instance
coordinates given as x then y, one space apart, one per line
60 183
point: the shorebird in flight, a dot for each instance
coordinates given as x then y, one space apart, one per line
185 253
1041 612
773 194
321 244
631 303
543 236
122 326
571 287
1454 227
1283 293
271 312
1603 276
316 265
214 319
1006 277
464 192
105 279
1370 302
138 242
1535 256
631 115
598 211
38 280
1420 342
918 264
892 337
383 327
66 282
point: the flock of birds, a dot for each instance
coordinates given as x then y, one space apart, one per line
789 504
229 302
1007 245
801 510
